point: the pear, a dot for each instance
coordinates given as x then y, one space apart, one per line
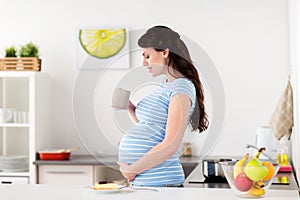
255 170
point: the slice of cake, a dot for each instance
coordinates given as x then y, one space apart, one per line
106 186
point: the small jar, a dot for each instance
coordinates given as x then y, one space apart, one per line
187 149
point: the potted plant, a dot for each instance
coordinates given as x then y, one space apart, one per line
28 59
11 52
29 50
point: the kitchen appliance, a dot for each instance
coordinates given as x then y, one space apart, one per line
265 138
211 168
209 172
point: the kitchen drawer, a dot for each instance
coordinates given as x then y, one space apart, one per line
65 174
14 180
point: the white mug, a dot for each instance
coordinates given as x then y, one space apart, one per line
6 115
120 98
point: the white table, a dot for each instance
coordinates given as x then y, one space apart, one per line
47 192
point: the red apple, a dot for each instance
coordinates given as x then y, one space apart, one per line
242 182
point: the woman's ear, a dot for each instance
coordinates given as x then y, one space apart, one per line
165 53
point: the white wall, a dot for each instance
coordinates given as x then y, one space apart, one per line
294 24
246 39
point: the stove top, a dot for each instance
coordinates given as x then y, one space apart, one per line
215 179
212 179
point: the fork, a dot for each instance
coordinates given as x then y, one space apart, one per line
139 188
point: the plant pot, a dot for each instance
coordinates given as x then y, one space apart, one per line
20 64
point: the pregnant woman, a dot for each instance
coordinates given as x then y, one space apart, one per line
149 151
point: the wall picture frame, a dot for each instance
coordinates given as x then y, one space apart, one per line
103 48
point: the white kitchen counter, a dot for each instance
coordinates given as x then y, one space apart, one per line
47 192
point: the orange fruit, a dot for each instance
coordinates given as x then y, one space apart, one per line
271 170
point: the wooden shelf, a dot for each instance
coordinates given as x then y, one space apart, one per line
15 174
14 125
16 74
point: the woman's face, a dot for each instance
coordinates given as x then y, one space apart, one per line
155 61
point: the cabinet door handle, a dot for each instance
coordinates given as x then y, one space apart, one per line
6 182
65 172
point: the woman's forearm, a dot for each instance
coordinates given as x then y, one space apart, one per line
154 157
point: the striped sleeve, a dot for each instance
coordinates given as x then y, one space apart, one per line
186 87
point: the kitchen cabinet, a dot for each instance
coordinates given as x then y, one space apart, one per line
85 170
78 170
65 174
77 174
14 180
24 94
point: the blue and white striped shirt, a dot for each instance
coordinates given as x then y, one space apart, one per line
152 113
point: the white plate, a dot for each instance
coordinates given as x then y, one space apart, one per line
91 189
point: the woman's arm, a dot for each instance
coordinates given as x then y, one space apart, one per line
131 109
179 108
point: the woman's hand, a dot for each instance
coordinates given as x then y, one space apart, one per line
124 169
131 106
131 109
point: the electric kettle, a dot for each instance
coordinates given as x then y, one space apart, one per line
265 138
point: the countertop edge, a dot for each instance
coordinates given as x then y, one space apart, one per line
103 160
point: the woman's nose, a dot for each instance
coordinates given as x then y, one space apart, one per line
145 63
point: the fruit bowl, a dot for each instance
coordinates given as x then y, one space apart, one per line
249 180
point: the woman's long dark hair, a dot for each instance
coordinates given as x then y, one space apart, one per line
161 38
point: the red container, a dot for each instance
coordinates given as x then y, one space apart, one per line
54 156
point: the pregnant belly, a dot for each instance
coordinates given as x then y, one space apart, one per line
137 141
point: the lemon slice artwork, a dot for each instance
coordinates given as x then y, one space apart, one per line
102 43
